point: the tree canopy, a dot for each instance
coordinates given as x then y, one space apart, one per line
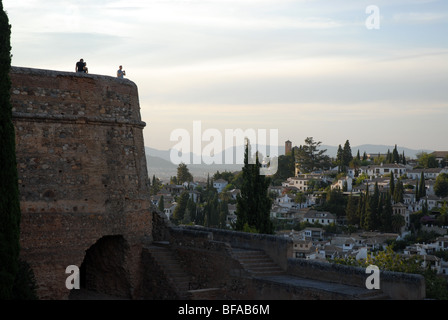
183 174
9 193
426 160
253 204
310 158
441 185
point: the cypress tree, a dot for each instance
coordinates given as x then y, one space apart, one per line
398 192
360 210
364 156
347 155
161 205
422 187
379 213
391 185
388 157
395 155
181 207
244 199
253 204
367 211
368 216
387 214
192 208
208 181
351 211
223 213
340 159
9 193
417 192
425 207
374 204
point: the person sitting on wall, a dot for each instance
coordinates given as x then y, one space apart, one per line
81 66
120 72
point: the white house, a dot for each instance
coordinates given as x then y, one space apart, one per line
313 233
285 201
302 248
276 189
400 208
321 217
431 173
231 217
347 181
441 243
380 170
234 193
220 184
169 210
302 181
440 156
443 267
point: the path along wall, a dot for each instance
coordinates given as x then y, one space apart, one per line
82 172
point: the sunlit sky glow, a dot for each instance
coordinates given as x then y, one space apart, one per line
309 68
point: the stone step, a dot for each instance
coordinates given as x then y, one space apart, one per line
256 262
170 266
333 290
374 295
254 268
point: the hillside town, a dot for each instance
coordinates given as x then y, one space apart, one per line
322 228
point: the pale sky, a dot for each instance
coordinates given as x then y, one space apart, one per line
309 68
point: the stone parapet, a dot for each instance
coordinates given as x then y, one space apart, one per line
276 247
397 285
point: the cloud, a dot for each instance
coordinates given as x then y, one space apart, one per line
306 66
420 17
326 79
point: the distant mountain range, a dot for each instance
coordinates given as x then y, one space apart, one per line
159 161
373 148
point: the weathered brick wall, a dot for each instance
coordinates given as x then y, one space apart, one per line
82 170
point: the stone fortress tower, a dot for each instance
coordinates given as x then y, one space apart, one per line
288 147
82 179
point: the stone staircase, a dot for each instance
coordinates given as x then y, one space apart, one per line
256 262
259 265
171 267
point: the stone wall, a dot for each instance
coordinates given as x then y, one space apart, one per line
399 286
278 248
206 254
210 264
82 171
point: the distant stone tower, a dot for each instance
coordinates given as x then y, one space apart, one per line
288 147
83 180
